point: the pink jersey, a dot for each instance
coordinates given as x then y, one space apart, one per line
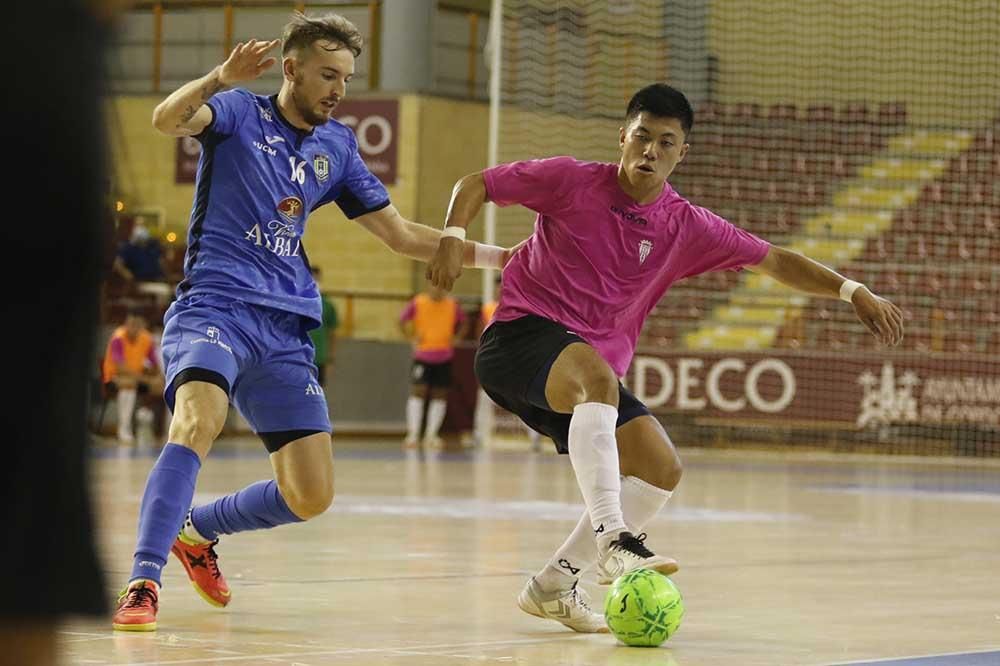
598 262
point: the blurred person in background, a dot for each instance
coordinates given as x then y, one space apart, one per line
432 321
131 368
141 259
324 336
483 402
48 559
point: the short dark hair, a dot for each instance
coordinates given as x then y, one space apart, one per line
302 31
662 101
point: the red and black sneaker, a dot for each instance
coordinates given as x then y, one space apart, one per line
137 606
202 566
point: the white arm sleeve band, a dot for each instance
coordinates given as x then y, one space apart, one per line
848 288
488 256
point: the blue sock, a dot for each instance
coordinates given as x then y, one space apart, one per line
259 506
165 502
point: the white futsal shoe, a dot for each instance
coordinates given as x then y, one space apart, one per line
628 553
570 607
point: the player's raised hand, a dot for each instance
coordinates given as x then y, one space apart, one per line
446 264
247 62
883 318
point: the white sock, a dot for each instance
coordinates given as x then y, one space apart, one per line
189 532
126 405
481 418
593 452
435 417
641 502
414 412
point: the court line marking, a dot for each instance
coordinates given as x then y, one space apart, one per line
366 579
473 575
165 638
248 446
883 660
245 582
721 565
514 509
351 651
991 495
169 638
825 563
783 457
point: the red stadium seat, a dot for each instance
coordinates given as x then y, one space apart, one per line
854 112
782 112
892 113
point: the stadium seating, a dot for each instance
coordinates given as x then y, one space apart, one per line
913 212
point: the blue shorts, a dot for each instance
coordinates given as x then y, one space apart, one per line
264 354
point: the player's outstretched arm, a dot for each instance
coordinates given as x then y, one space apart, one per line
184 113
419 241
467 198
883 318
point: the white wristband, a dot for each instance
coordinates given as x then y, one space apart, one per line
454 232
848 288
487 256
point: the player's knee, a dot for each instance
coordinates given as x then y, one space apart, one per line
599 385
661 468
310 501
665 470
665 476
195 430
670 474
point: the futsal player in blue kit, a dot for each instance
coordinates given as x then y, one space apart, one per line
238 329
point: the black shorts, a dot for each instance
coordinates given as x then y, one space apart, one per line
512 366
435 375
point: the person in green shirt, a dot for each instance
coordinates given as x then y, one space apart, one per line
324 338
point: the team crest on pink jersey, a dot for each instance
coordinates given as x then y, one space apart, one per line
290 208
644 247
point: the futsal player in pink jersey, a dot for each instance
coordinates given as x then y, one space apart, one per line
609 240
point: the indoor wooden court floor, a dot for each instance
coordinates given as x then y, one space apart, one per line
785 560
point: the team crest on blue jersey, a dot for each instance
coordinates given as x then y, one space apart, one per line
321 165
290 208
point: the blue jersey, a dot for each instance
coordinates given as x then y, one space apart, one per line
258 179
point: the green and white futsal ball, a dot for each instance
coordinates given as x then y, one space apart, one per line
643 608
